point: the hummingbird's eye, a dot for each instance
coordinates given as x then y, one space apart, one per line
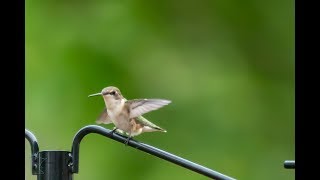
113 93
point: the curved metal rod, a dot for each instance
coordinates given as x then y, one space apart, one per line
140 146
289 164
34 149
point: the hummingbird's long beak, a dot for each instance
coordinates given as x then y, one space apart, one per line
97 94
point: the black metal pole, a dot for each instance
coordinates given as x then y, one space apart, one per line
34 150
141 146
289 164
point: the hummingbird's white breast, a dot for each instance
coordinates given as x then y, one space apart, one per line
114 107
118 114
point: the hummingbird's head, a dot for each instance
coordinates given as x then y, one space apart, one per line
110 94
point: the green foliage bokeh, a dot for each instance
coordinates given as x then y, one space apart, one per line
227 66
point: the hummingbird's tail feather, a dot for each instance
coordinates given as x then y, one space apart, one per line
159 129
149 126
152 129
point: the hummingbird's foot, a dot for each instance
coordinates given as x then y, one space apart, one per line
113 130
127 141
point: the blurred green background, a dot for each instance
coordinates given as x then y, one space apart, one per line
227 66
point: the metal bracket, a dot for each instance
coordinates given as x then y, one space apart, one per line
60 165
289 164
34 150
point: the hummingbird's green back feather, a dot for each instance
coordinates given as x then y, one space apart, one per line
145 122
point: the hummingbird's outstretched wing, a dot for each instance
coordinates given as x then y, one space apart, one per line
139 107
104 117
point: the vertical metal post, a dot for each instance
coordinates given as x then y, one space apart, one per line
54 165
49 165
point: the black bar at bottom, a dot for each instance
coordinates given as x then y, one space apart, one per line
143 147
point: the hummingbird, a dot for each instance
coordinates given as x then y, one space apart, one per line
126 115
